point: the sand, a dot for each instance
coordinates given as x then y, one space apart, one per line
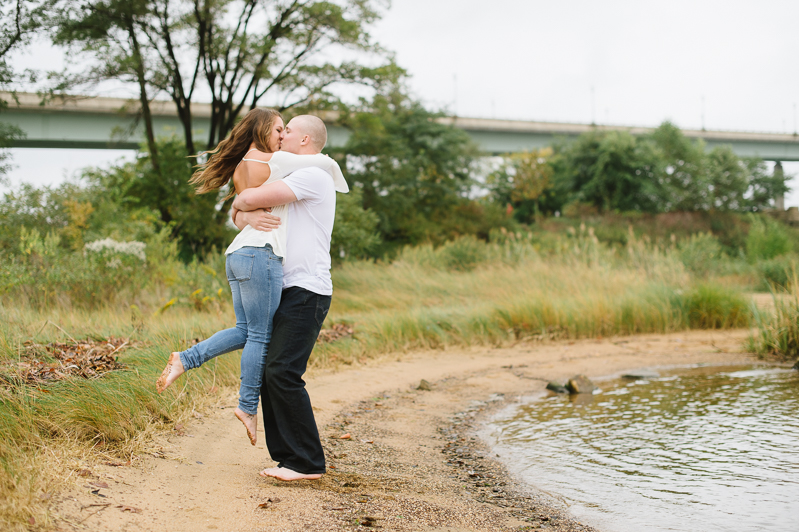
412 460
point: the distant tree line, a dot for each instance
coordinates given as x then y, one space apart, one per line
413 178
604 171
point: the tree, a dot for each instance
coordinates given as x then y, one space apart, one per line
355 233
663 171
415 172
683 176
137 186
19 19
237 53
612 171
524 181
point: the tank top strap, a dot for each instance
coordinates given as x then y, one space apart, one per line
251 160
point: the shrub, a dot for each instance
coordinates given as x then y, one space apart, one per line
710 306
777 272
778 330
355 233
463 254
767 239
700 253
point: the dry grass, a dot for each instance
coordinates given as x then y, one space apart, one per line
50 432
497 295
778 325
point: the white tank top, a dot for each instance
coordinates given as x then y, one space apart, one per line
282 164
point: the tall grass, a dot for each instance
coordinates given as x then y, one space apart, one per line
409 305
107 413
518 288
778 328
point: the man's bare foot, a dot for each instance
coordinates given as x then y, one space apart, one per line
281 473
173 370
250 422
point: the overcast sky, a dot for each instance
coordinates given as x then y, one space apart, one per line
730 64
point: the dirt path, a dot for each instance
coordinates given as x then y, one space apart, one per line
409 464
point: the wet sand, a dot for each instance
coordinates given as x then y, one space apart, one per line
411 461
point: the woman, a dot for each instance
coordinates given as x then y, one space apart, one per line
254 260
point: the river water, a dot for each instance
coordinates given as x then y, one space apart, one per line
697 449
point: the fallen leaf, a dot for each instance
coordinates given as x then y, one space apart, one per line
117 464
368 521
130 509
336 332
87 358
98 484
346 436
268 503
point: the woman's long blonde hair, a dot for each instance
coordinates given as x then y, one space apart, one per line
256 127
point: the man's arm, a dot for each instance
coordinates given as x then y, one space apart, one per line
260 219
268 195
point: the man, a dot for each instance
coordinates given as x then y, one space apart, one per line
291 434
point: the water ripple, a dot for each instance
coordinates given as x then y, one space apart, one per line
711 449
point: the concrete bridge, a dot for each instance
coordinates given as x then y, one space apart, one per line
94 122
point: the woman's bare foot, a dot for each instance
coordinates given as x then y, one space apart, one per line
287 475
250 422
173 370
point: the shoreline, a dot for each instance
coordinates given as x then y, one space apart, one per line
412 461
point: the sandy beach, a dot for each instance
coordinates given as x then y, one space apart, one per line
399 458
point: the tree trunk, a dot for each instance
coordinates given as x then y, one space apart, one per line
145 102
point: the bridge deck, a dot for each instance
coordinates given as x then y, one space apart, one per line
94 122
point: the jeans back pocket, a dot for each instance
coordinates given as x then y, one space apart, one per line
240 265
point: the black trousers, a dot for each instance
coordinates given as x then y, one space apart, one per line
291 434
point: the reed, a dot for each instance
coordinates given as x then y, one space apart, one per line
465 293
777 329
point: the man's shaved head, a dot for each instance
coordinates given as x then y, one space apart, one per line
313 127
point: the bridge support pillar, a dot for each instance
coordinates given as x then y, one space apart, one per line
779 200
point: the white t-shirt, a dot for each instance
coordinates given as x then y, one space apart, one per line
307 262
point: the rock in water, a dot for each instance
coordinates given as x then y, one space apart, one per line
580 384
641 375
557 388
424 386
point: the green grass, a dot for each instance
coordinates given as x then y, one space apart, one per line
43 426
462 294
777 332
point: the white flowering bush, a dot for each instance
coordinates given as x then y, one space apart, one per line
106 245
45 272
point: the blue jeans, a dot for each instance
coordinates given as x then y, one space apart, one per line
256 279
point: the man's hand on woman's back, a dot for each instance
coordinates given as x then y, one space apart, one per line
259 219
